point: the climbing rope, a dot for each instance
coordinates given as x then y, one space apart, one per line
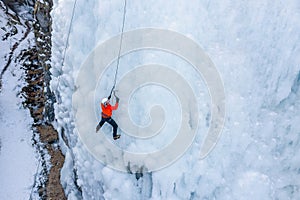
66 46
120 47
68 36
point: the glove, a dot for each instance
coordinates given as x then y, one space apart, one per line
117 99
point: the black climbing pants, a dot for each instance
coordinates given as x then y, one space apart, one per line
111 122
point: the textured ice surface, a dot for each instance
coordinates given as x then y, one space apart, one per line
255 47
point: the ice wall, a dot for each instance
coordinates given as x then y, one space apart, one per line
254 45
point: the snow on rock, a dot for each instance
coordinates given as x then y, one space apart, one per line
18 164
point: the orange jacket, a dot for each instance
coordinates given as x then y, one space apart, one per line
107 110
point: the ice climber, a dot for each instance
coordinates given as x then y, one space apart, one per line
107 109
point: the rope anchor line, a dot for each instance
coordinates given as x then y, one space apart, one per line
120 47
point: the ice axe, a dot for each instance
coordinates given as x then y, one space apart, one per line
117 98
114 93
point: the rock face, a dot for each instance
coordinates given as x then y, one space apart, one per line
19 6
37 95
